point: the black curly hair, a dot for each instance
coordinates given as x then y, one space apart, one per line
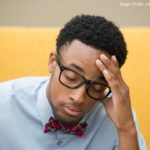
96 32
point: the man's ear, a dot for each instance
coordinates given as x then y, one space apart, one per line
52 62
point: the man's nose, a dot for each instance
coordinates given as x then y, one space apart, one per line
78 95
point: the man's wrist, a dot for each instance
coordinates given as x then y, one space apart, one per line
128 139
128 131
127 127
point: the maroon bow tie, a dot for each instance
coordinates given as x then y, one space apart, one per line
54 125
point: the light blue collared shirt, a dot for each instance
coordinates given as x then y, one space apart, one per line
24 110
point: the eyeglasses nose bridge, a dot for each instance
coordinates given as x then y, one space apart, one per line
84 82
87 83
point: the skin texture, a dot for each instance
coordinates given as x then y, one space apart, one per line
71 105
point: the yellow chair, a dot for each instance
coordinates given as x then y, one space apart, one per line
25 52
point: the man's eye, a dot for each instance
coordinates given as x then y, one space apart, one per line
71 76
98 87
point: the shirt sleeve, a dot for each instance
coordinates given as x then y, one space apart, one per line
141 140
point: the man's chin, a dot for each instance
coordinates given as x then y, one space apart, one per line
64 118
68 120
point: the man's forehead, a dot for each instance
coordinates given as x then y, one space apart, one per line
81 57
79 49
88 70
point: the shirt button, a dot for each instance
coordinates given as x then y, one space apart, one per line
59 142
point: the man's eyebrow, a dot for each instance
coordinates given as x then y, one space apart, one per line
77 67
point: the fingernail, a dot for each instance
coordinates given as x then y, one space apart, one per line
98 62
104 56
114 58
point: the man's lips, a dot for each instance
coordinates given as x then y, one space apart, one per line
71 110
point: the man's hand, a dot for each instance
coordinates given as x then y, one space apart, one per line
118 107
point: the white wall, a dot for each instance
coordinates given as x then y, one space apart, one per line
57 12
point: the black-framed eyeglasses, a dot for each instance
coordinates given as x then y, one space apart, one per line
98 90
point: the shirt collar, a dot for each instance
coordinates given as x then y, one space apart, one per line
43 105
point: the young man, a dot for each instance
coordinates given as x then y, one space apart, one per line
86 103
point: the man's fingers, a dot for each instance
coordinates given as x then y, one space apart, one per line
115 61
100 65
110 63
109 76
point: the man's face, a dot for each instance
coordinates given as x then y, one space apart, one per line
71 105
